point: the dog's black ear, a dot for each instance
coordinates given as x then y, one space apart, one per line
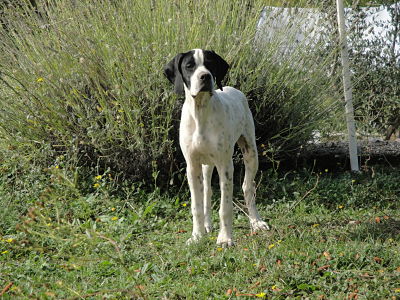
172 71
218 67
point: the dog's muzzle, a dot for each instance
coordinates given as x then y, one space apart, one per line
206 82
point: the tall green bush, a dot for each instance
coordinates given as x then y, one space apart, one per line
84 79
376 68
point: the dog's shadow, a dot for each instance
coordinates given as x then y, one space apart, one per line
381 230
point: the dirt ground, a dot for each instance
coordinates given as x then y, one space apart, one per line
336 154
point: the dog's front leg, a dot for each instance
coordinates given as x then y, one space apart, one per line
195 179
225 173
207 174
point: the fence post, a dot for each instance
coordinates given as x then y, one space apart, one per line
348 97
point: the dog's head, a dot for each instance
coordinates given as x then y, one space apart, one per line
196 71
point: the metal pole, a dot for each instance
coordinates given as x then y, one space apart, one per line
348 96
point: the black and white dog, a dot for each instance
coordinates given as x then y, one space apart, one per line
212 122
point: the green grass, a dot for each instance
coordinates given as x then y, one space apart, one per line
331 236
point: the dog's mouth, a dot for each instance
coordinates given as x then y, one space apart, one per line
204 89
210 93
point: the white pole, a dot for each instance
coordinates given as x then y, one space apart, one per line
348 97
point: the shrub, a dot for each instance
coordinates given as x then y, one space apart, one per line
85 80
375 58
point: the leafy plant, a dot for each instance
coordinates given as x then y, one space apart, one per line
87 83
376 66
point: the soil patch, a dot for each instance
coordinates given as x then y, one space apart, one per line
335 154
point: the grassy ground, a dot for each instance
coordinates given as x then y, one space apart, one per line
332 237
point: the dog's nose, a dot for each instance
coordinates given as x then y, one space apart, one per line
205 77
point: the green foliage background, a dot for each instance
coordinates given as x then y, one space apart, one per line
376 67
86 83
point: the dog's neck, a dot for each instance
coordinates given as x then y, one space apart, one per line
199 108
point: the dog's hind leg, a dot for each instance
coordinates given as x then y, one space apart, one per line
207 175
248 146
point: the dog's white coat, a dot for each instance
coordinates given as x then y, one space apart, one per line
195 83
211 124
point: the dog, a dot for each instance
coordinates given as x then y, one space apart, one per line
212 122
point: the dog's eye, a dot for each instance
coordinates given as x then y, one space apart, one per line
190 65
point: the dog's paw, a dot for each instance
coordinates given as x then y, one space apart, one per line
208 228
225 241
194 239
258 225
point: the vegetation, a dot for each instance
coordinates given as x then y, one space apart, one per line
332 237
316 3
87 83
376 64
92 190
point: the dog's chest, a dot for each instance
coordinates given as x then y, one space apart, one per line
206 142
210 131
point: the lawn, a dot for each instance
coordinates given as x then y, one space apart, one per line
333 236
